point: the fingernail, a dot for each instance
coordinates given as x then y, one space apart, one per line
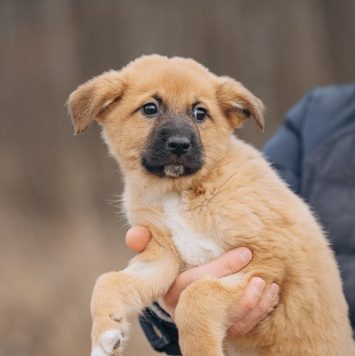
259 285
273 291
246 255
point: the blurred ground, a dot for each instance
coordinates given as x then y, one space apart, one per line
59 228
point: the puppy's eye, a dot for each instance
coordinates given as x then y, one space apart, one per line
200 114
149 109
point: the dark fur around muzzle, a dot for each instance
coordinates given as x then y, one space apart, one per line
173 148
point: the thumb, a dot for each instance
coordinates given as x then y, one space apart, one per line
137 238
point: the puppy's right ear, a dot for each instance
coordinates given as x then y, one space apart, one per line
92 98
238 103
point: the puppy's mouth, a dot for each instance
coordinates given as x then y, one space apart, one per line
174 171
171 169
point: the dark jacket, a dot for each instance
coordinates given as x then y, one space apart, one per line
314 152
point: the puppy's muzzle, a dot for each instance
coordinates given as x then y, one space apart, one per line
173 149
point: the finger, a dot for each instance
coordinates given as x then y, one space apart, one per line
249 300
137 238
230 262
257 313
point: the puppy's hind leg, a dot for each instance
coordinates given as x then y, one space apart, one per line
117 295
202 315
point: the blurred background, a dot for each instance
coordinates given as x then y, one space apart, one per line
59 224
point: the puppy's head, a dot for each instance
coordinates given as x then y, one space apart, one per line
166 118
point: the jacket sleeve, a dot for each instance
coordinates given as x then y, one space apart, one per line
160 330
285 149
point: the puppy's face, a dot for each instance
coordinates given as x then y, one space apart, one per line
168 118
173 147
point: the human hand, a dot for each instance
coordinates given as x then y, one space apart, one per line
254 305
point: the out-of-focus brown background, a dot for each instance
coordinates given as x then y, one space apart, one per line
59 227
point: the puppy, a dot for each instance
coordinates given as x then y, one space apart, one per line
201 192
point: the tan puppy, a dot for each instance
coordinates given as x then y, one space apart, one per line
202 192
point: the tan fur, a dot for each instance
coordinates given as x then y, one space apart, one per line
236 199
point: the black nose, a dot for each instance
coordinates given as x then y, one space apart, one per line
178 145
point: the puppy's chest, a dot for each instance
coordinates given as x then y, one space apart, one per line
195 247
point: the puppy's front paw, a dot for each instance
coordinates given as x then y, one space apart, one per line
109 341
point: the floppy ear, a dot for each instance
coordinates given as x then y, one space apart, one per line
92 98
238 103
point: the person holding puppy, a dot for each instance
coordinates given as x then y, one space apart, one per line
313 152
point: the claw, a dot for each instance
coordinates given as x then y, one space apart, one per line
116 345
111 340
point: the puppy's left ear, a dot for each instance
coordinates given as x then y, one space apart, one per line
238 103
91 100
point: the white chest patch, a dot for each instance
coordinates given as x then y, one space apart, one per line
194 248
